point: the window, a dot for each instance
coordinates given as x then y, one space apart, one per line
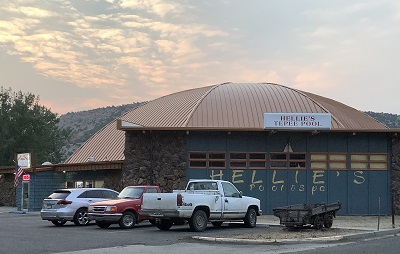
99 184
216 160
338 161
78 184
203 186
59 194
378 161
198 160
297 160
230 190
257 160
69 184
131 192
359 161
319 161
92 194
151 190
324 161
207 160
238 160
110 194
288 160
83 184
369 161
89 184
278 161
247 160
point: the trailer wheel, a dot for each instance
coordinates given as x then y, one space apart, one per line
318 222
328 220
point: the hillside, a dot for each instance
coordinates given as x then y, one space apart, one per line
390 120
84 124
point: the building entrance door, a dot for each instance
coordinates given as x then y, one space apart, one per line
25 196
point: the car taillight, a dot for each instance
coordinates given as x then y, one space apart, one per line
64 202
179 200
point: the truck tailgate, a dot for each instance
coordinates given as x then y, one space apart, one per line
154 201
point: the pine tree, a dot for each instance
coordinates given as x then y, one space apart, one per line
26 126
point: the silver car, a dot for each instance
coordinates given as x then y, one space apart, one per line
72 204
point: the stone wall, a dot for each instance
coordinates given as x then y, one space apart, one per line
7 190
396 174
155 157
113 180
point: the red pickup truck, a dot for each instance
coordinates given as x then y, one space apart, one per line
125 210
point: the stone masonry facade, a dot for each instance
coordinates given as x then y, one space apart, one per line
155 158
7 190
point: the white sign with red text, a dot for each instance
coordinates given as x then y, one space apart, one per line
305 121
24 160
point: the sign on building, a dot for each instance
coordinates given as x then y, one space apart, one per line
297 121
26 177
24 160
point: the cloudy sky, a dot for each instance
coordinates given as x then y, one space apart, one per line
84 54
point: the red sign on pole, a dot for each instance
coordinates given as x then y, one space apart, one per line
26 177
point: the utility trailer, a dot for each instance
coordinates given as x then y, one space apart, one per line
314 215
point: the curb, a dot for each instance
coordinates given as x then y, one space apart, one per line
373 234
17 212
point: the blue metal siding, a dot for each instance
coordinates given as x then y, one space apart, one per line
358 190
358 193
337 189
379 192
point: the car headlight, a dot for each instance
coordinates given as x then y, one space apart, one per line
112 209
90 209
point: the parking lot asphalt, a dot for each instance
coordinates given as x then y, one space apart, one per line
365 226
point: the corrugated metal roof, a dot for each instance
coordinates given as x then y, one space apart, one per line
107 144
228 106
236 106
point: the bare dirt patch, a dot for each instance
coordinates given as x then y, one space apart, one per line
272 233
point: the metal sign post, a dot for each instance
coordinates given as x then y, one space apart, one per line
24 161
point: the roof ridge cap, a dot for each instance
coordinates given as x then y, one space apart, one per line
199 101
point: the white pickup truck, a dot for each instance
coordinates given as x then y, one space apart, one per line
202 201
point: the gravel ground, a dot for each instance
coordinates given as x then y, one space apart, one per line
275 233
342 225
352 222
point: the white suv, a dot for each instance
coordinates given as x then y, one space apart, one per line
72 204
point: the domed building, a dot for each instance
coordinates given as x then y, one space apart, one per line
281 145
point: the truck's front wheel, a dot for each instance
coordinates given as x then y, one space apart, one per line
198 221
128 220
250 220
164 224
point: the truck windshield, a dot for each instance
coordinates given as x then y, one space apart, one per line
131 192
